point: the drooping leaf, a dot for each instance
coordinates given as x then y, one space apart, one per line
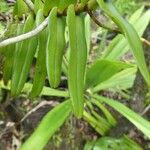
130 34
119 45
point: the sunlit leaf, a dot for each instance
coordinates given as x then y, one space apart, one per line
121 80
102 70
47 127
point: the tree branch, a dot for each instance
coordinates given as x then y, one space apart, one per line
145 41
25 36
29 4
102 25
43 25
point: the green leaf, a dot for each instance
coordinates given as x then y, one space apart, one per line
61 4
49 4
131 35
38 4
119 45
20 8
102 70
106 112
65 3
46 90
95 123
123 79
87 22
141 123
106 143
48 126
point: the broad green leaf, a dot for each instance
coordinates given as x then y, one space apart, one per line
141 123
123 79
47 127
119 45
102 70
106 143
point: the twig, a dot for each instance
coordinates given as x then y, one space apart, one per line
100 24
43 25
29 4
43 103
145 110
25 36
145 41
111 29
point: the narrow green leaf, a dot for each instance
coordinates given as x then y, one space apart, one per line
106 143
141 123
48 126
107 114
119 45
130 34
98 126
87 22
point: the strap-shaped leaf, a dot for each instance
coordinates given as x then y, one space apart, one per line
133 117
48 126
40 69
77 60
106 143
131 35
23 58
119 45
